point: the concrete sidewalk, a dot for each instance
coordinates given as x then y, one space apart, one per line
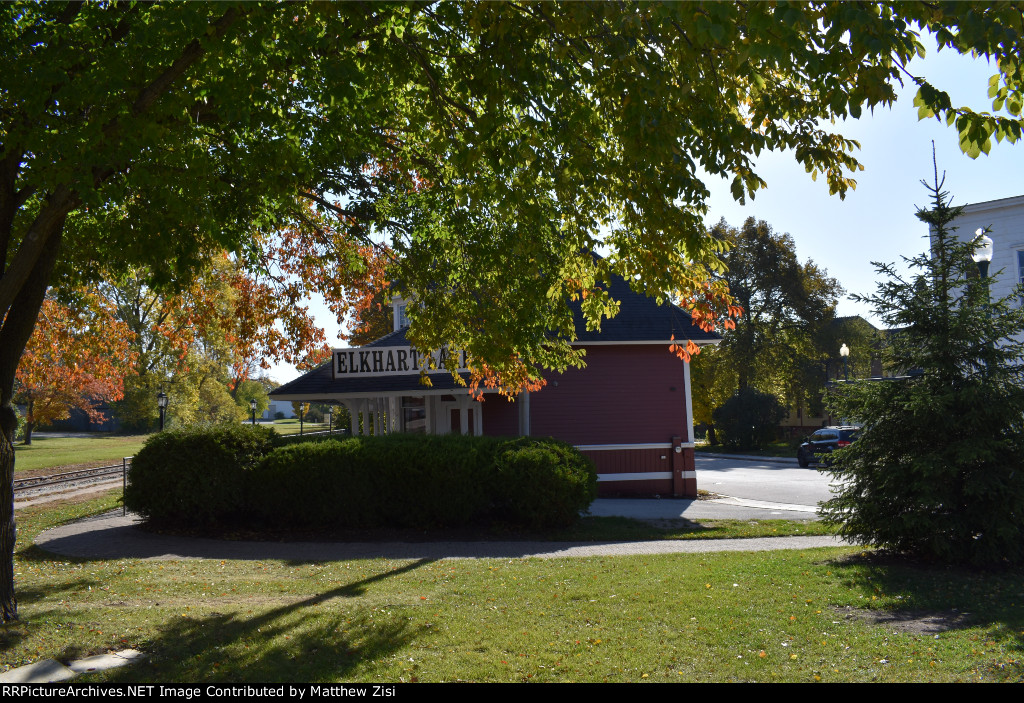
113 536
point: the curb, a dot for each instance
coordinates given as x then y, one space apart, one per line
746 457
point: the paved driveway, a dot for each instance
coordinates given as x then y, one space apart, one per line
763 481
749 490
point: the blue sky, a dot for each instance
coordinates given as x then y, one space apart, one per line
875 222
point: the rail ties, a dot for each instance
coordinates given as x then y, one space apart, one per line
68 476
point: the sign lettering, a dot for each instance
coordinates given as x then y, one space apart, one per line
393 361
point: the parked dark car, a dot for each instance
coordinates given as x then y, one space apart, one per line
823 442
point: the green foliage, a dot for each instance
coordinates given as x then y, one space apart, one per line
137 411
233 475
862 339
712 382
543 483
19 432
749 419
196 475
252 390
389 481
199 399
491 141
938 470
775 347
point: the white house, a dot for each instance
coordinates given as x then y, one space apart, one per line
1005 220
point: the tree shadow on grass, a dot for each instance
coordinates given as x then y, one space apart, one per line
42 591
935 599
302 641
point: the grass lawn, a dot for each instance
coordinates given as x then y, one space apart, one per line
99 449
812 615
291 426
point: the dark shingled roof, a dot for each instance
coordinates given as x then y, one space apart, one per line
319 381
640 319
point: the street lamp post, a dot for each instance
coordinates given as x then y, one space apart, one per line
330 420
252 406
844 351
161 403
982 255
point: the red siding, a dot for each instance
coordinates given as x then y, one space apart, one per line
642 461
625 395
501 417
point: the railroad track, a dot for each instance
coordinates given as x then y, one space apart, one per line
39 485
81 478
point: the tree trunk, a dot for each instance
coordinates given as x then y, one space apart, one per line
8 530
27 441
14 335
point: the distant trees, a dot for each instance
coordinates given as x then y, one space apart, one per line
776 346
749 419
75 358
207 343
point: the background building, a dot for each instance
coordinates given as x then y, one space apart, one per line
629 409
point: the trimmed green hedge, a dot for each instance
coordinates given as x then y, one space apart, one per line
197 474
411 481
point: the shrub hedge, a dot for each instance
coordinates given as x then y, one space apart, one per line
199 475
251 476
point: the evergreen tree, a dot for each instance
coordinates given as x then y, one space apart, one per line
938 470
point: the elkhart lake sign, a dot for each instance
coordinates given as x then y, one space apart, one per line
392 361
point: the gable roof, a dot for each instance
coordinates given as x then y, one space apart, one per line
640 321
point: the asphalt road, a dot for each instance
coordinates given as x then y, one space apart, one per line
748 490
763 481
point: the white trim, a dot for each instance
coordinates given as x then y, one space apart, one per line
689 404
639 476
618 447
1014 201
644 342
643 476
339 397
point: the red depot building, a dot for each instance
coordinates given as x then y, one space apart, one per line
629 409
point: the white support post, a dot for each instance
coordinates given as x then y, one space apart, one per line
524 413
689 402
364 412
478 418
444 417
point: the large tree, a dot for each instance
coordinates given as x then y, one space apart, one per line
938 469
785 304
493 143
787 307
